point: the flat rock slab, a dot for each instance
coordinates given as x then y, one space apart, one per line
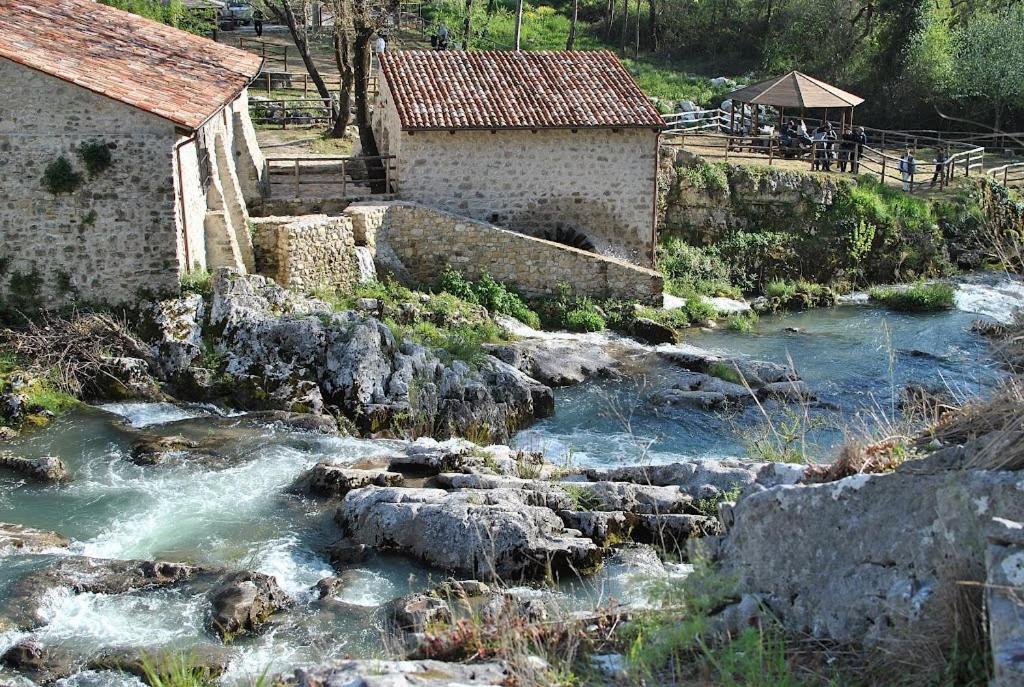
401 674
45 469
30 540
478 534
326 479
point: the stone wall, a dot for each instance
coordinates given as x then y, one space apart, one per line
701 202
117 233
426 240
306 252
601 183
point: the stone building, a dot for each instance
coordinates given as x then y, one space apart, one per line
126 154
562 145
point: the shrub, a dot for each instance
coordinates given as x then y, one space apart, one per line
197 280
60 177
584 320
705 176
693 268
921 297
96 156
493 295
743 321
780 289
698 308
756 258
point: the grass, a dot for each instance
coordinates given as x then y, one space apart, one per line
725 372
709 506
920 297
197 280
744 322
671 84
40 393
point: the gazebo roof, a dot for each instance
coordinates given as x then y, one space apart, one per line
795 89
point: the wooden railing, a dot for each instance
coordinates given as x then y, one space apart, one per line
330 170
265 49
285 111
1009 175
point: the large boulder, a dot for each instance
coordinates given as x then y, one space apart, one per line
327 479
559 360
175 329
243 602
28 539
40 662
43 469
1004 602
400 674
480 534
703 478
869 558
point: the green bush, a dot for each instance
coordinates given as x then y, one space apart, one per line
705 176
743 321
780 289
493 295
60 177
921 297
197 280
584 320
756 258
690 268
96 156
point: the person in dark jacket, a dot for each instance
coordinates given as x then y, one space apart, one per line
860 139
847 147
257 21
941 158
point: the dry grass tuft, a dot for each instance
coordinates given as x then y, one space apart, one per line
856 458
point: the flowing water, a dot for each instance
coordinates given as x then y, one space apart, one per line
234 509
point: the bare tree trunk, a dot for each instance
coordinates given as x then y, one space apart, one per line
360 77
625 26
609 20
636 49
468 25
343 59
652 25
285 13
519 21
571 41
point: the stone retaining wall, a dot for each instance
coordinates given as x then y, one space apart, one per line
427 240
306 252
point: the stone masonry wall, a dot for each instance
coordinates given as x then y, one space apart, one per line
113 236
426 241
601 183
306 252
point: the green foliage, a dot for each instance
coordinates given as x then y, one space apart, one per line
583 499
921 297
96 156
60 177
780 289
171 12
709 506
568 310
725 372
668 82
744 322
176 670
989 52
197 280
756 258
493 25
40 391
693 269
705 176
493 295
25 291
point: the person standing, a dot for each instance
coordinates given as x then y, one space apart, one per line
257 22
908 166
860 139
381 44
941 158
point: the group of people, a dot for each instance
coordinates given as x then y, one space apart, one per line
826 145
440 39
908 168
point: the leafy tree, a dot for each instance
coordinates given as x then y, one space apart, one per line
171 12
989 53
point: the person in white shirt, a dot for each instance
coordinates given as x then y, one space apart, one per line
380 45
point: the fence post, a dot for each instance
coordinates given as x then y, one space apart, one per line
771 149
387 175
883 166
344 180
268 83
1005 170
297 194
286 58
305 85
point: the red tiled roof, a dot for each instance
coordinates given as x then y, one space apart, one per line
514 90
157 68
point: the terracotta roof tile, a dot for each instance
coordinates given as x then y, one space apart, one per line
514 90
145 64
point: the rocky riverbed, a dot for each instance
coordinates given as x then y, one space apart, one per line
245 526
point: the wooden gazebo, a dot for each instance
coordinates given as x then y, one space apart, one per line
794 91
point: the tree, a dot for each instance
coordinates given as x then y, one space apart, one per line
343 60
989 53
293 13
570 42
519 21
467 25
367 18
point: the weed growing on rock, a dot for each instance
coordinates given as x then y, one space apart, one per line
197 280
921 297
96 156
498 298
569 310
60 177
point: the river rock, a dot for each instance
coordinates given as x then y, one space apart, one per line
174 329
346 552
701 400
44 469
40 662
704 478
326 479
93 576
481 534
1004 605
7 433
300 422
604 528
155 450
654 333
558 361
414 613
429 457
869 558
124 378
243 602
630 497
424 673
208 659
29 540
671 532
286 346
796 391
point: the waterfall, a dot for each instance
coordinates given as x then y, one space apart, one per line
367 272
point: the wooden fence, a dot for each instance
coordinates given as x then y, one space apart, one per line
1009 175
294 111
265 49
334 173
